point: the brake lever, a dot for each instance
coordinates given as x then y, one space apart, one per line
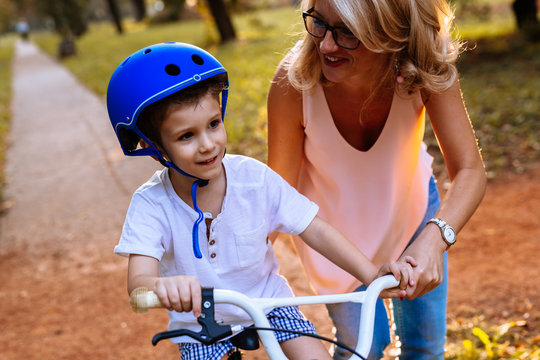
211 331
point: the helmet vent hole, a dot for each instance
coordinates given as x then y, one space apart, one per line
197 59
147 51
172 69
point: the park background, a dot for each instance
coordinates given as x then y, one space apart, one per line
499 77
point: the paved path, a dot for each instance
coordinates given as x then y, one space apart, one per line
62 289
66 175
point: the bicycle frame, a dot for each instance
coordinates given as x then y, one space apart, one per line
256 308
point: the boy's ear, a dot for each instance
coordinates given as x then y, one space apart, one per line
143 144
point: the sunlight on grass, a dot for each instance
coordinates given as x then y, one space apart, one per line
474 338
499 78
6 56
495 27
498 83
264 37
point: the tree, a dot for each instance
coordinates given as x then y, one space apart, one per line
216 8
527 21
222 19
69 21
174 9
139 8
7 14
68 15
115 14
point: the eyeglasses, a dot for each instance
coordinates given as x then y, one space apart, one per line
316 27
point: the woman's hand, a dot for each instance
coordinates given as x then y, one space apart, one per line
427 250
179 293
403 272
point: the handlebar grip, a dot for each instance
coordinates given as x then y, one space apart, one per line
141 300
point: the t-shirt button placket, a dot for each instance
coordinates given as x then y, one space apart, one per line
212 247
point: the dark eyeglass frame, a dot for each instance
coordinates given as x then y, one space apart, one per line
333 29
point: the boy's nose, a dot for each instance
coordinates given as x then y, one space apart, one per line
206 142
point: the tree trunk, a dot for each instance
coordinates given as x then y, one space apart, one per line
140 9
174 9
115 14
222 19
67 15
525 12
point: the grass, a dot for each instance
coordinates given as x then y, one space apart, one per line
499 77
6 55
500 85
264 37
473 339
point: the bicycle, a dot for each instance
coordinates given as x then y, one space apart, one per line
141 300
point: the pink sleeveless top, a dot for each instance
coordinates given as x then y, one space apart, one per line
376 198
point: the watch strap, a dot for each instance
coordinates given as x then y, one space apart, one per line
443 226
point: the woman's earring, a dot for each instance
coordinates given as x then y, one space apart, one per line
399 78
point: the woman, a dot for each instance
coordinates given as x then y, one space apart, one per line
346 117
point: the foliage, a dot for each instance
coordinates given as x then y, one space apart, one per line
174 9
499 77
6 55
506 95
474 339
7 15
68 15
251 61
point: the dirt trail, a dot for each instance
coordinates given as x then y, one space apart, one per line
63 291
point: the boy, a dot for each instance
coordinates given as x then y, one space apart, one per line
163 101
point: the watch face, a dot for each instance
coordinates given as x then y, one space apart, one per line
450 235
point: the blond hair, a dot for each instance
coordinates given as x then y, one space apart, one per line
415 34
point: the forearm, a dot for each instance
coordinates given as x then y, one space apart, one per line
460 202
455 134
330 243
142 272
145 281
463 197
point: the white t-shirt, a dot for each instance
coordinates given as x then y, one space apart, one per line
237 255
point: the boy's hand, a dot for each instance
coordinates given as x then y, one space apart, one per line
403 272
179 293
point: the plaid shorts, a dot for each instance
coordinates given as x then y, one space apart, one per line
287 317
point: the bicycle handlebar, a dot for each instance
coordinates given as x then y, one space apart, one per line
141 300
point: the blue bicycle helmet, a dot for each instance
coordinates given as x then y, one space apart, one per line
147 76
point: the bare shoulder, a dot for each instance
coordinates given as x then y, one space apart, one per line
281 85
285 126
284 100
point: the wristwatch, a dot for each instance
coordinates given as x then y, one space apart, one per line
447 232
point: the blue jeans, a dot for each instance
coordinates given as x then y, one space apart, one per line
420 323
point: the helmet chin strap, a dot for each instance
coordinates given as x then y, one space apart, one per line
195 230
196 184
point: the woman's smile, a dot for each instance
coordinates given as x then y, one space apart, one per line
333 61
